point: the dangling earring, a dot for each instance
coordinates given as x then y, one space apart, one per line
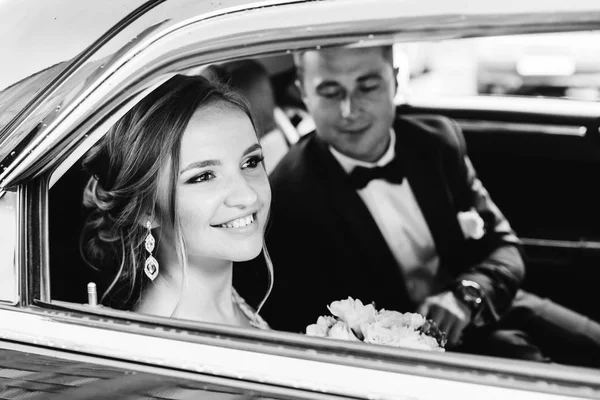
151 267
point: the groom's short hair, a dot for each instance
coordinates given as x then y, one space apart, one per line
387 50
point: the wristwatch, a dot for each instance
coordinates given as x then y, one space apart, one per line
470 294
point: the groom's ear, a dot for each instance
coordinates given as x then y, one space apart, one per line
300 87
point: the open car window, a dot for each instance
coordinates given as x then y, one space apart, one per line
70 274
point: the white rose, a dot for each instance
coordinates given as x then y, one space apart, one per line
341 330
326 320
321 328
399 336
395 318
418 343
316 330
353 312
378 333
416 320
471 224
430 342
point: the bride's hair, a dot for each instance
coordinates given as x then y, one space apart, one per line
123 189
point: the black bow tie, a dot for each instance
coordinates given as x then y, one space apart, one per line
391 172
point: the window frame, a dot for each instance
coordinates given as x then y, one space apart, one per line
15 298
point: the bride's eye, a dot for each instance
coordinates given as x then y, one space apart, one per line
253 162
203 177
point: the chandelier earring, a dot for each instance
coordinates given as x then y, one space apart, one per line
151 267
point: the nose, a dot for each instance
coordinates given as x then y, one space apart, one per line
241 193
347 106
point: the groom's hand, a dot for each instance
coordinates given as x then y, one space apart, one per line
450 314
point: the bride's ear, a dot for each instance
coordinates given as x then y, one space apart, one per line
148 217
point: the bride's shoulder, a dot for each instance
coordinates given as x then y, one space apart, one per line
255 319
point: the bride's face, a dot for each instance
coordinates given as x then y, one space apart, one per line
222 187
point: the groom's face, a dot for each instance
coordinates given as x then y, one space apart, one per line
350 95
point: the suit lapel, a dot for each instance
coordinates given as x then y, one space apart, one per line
348 205
424 170
374 258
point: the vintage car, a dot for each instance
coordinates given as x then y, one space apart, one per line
72 69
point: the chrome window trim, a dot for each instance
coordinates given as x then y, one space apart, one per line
577 109
341 373
563 244
517 127
256 388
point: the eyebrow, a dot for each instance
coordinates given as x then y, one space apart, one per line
252 148
200 164
209 163
362 78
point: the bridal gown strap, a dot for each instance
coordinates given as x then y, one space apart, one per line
255 319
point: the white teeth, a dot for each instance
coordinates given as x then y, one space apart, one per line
240 222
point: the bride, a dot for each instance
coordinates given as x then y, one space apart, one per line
178 192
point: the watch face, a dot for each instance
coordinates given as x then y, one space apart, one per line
471 292
471 297
468 292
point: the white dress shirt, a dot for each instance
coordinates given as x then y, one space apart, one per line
401 222
274 147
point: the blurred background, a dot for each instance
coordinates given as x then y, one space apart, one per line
549 65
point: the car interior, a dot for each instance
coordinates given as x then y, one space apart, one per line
538 158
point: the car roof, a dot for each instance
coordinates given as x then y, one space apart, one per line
30 107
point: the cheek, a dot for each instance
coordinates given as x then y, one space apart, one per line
195 211
261 186
324 111
382 107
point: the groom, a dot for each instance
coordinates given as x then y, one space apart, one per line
388 209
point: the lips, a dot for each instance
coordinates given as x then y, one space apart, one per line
354 130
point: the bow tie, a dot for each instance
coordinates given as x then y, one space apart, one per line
391 172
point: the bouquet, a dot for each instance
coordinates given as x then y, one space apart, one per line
354 321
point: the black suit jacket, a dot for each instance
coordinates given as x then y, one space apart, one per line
325 245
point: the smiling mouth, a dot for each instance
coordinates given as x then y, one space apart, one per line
355 130
239 222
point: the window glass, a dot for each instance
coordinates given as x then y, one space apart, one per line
8 241
543 65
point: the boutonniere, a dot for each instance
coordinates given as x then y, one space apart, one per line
472 224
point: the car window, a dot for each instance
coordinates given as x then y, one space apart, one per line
426 69
71 274
8 240
565 65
